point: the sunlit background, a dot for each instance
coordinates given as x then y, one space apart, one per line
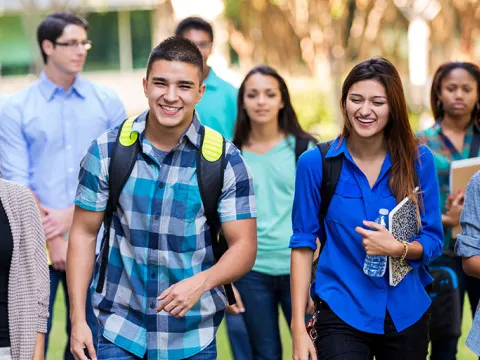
313 43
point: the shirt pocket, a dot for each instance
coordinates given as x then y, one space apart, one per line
187 202
347 205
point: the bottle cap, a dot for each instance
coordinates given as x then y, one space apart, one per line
383 211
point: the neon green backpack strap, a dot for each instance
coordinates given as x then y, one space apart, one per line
127 137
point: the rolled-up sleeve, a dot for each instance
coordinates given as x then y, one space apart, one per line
468 242
431 233
306 204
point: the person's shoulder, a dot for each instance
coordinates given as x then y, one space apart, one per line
104 93
18 190
475 183
20 98
425 135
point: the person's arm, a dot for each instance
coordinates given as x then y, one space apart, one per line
237 214
306 227
90 204
39 351
80 262
468 242
15 164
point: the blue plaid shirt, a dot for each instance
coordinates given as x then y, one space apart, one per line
159 237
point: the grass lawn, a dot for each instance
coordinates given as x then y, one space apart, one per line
58 337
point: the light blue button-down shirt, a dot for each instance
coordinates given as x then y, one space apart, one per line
468 245
45 131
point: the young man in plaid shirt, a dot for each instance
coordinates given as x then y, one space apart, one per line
162 297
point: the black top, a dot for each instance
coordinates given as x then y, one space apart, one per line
6 249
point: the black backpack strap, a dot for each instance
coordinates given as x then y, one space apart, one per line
122 161
331 169
475 145
301 145
210 174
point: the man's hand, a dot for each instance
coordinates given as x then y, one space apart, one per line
237 308
57 249
80 339
379 241
179 298
56 221
454 207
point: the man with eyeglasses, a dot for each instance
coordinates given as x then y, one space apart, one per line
46 129
218 107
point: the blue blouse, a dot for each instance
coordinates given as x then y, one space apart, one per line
359 300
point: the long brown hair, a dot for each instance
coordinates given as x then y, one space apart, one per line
287 118
400 139
440 74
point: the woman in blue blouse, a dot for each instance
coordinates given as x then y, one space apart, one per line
358 316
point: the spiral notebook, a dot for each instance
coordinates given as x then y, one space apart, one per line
404 225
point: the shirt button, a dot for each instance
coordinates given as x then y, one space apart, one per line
157 216
152 306
70 170
161 185
154 276
69 147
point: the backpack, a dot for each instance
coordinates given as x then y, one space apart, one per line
210 173
331 169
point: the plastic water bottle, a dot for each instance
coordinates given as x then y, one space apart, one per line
375 265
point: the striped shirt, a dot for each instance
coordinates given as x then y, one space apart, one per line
159 237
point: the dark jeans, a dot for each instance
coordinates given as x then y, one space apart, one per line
262 294
446 349
57 277
336 340
109 351
238 336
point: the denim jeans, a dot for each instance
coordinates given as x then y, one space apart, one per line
336 340
238 337
262 294
109 351
446 349
57 277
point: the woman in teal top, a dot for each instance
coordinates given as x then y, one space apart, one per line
266 132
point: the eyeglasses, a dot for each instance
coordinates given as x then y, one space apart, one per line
87 44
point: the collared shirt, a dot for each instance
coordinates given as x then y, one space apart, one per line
218 106
468 245
159 237
444 153
45 131
360 300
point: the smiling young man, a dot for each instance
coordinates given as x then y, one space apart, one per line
162 297
45 131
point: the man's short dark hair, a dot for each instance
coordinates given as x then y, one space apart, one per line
179 49
194 23
52 28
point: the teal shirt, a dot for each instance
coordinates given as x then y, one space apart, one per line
218 107
274 181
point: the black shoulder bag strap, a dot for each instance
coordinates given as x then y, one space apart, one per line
475 145
301 145
331 169
122 161
210 183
